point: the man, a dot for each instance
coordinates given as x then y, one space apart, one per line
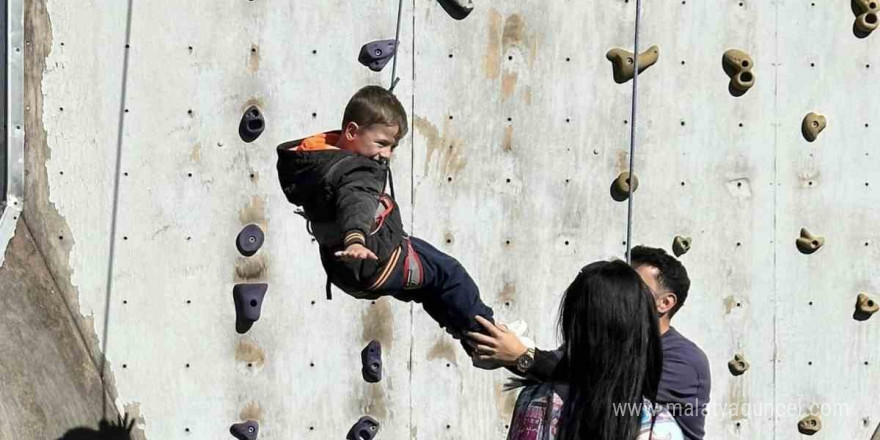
685 383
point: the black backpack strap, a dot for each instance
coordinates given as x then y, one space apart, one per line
329 293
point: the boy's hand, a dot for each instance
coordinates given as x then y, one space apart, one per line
500 345
356 252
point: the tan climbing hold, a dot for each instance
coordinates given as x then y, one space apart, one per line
866 16
865 307
623 64
738 365
620 188
738 66
680 245
812 125
809 425
808 243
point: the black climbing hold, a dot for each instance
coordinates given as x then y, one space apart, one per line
248 302
245 431
376 54
249 240
457 9
371 358
366 428
252 124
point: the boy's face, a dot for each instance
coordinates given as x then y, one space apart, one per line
375 141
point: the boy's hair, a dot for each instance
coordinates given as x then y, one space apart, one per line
672 276
376 105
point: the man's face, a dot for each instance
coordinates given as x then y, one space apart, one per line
375 141
665 300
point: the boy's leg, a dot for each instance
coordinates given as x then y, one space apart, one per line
448 293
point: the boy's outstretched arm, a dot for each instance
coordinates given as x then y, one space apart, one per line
357 197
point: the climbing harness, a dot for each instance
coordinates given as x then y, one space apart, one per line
632 131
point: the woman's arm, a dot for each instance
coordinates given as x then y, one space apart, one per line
500 345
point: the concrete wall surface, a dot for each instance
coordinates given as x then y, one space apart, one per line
518 130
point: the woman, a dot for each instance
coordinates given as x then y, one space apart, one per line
610 333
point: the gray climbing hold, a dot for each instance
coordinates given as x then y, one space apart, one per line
808 243
620 188
248 430
738 66
248 304
371 360
738 365
680 245
252 124
366 428
457 9
249 240
376 54
865 307
623 64
812 125
866 12
809 425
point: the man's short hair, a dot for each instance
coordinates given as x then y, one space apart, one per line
376 105
673 276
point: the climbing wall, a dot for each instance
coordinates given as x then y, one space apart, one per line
518 130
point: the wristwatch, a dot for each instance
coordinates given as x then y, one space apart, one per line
525 361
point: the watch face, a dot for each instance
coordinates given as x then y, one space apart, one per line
524 362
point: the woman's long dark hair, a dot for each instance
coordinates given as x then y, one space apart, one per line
608 322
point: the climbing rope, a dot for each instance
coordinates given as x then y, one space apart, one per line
632 133
394 78
112 252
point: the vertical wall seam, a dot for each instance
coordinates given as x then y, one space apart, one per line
775 183
412 211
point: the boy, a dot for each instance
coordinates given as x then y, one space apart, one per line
338 178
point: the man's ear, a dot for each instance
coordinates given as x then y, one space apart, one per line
667 303
350 130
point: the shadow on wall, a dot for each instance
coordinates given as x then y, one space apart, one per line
107 430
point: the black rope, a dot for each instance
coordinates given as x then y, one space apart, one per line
394 78
112 254
632 133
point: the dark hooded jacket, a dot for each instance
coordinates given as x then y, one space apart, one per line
342 197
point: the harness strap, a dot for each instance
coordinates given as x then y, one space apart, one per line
329 293
413 271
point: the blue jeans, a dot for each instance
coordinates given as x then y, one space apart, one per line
447 293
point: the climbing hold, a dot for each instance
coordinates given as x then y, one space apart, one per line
809 425
457 9
366 428
812 125
620 187
251 125
738 66
371 359
249 240
680 245
245 431
738 365
808 243
248 302
865 307
622 62
376 54
866 17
